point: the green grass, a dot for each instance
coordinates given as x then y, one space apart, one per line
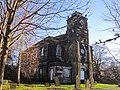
64 86
6 87
105 86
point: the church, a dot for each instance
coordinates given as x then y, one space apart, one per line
64 56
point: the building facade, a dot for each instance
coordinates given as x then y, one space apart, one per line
58 56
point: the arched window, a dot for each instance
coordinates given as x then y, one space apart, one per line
59 52
42 51
82 74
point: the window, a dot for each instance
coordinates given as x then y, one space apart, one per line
66 72
42 51
82 74
59 52
51 74
40 72
83 53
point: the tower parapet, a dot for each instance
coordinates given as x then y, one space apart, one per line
77 27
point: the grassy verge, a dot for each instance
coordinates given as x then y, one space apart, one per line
111 86
63 86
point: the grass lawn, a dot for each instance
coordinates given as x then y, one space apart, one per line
63 86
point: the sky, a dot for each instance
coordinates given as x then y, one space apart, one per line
97 27
96 22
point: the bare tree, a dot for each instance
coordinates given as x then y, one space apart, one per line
100 61
112 73
112 15
19 47
22 17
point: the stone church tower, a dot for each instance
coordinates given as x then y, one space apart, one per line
79 54
77 27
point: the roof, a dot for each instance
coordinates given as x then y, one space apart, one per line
57 39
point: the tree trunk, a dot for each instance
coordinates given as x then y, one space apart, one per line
3 59
77 84
0 42
6 39
19 66
90 68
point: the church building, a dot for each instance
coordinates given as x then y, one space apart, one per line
63 56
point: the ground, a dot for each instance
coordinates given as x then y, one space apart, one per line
61 87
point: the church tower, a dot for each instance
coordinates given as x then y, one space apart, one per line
77 30
77 27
